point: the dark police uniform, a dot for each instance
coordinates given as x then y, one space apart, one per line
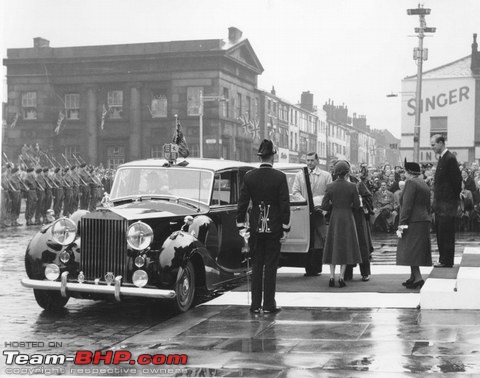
41 186
267 189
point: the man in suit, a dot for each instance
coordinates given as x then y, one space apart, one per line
319 179
267 189
446 193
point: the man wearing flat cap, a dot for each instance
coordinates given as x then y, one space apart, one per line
269 224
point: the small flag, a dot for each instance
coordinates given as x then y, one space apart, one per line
15 120
61 117
104 116
179 139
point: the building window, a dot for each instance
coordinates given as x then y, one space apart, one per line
115 156
115 104
225 104
72 150
159 104
439 125
194 107
29 105
238 106
72 105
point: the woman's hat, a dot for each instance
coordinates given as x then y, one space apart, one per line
341 168
412 167
266 148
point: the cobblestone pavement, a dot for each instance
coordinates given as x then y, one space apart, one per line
227 341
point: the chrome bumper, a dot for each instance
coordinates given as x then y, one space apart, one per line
115 289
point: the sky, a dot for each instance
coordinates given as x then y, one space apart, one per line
352 52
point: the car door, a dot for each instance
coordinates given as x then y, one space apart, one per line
298 240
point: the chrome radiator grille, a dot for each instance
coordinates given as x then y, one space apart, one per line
103 247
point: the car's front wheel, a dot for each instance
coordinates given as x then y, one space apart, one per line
50 300
185 288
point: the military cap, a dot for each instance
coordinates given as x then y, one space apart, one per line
30 169
38 170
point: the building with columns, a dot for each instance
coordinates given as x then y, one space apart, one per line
115 103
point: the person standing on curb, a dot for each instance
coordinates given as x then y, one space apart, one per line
267 189
446 195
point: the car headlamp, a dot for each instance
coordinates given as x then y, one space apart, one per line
64 231
52 272
64 257
140 278
139 261
139 236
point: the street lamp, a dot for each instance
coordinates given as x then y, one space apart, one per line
200 115
419 54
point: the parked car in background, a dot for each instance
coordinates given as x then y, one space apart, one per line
165 231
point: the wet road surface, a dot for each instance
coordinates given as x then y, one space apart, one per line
229 341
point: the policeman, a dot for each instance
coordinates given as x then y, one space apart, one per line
75 189
267 189
41 185
32 198
16 196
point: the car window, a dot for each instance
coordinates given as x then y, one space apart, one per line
223 193
297 191
178 182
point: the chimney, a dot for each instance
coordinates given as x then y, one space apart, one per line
40 42
475 63
307 101
273 91
234 34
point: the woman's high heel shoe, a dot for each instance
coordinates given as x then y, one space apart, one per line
341 283
415 285
331 283
408 282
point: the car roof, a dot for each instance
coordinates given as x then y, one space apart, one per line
204 163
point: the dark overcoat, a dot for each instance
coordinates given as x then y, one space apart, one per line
414 248
448 185
341 244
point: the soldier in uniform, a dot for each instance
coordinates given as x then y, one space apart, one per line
6 198
68 191
41 185
48 191
58 192
85 181
267 188
95 190
31 205
16 196
75 189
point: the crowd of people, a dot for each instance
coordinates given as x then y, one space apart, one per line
50 190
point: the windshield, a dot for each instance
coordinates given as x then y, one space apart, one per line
163 181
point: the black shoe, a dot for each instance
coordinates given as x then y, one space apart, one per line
365 278
408 282
331 282
310 274
341 283
415 285
272 310
440 265
255 310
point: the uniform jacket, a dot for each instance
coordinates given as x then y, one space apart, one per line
267 188
448 185
415 202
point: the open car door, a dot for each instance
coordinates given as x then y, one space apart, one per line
298 240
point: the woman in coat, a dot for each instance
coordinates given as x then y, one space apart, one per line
341 244
414 248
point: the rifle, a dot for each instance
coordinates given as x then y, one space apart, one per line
46 177
61 177
88 173
5 157
83 182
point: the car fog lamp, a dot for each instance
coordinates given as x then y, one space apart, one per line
140 278
109 277
64 257
139 236
139 261
52 272
81 277
64 231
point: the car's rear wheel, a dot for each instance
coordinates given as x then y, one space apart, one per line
185 288
50 300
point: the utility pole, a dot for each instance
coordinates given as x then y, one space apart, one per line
419 54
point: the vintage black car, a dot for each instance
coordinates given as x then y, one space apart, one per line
165 231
